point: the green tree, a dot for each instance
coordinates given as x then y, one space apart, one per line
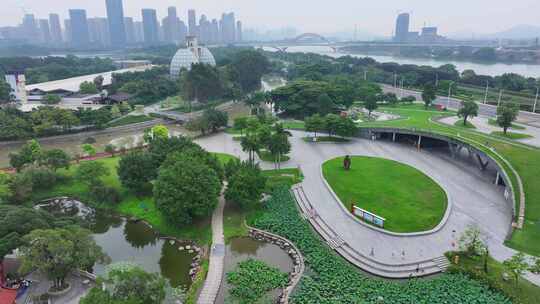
255 101
250 144
517 265
55 159
246 185
371 104
20 187
57 252
216 119
506 115
240 123
346 127
314 124
90 173
186 189
471 242
5 192
28 154
115 111
202 82
278 146
468 109
160 131
248 67
51 99
332 122
5 93
88 149
88 88
111 149
136 170
126 283
429 94
325 104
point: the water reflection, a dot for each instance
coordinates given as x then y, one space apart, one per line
139 236
136 242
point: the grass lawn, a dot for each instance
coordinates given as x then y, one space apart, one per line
129 119
333 139
524 293
460 124
266 156
293 124
408 199
493 122
524 159
511 135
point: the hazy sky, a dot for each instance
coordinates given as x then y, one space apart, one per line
322 16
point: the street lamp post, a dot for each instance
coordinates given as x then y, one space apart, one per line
487 89
401 91
536 99
395 80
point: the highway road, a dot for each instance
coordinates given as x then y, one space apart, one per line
524 117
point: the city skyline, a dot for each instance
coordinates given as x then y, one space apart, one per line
375 18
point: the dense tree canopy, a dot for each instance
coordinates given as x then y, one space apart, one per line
136 170
186 189
57 252
247 68
506 114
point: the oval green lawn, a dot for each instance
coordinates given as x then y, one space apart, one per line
409 200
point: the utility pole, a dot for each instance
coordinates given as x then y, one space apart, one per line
536 99
437 80
395 80
401 91
487 89
365 75
500 97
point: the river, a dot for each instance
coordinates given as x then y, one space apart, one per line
491 69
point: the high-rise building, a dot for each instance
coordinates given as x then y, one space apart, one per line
29 28
67 30
130 30
183 31
99 32
215 31
45 31
402 27
150 26
238 31
56 29
115 16
171 26
192 22
204 29
79 27
139 31
228 28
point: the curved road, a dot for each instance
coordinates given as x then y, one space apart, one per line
474 197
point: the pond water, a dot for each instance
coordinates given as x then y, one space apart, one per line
135 242
243 248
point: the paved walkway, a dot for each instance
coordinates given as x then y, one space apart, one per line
482 125
217 255
474 197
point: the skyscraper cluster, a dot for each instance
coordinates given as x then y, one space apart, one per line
403 35
117 30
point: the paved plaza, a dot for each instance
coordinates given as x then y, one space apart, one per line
473 198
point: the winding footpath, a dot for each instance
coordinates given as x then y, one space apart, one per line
217 256
473 200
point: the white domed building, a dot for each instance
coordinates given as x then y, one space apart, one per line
184 58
